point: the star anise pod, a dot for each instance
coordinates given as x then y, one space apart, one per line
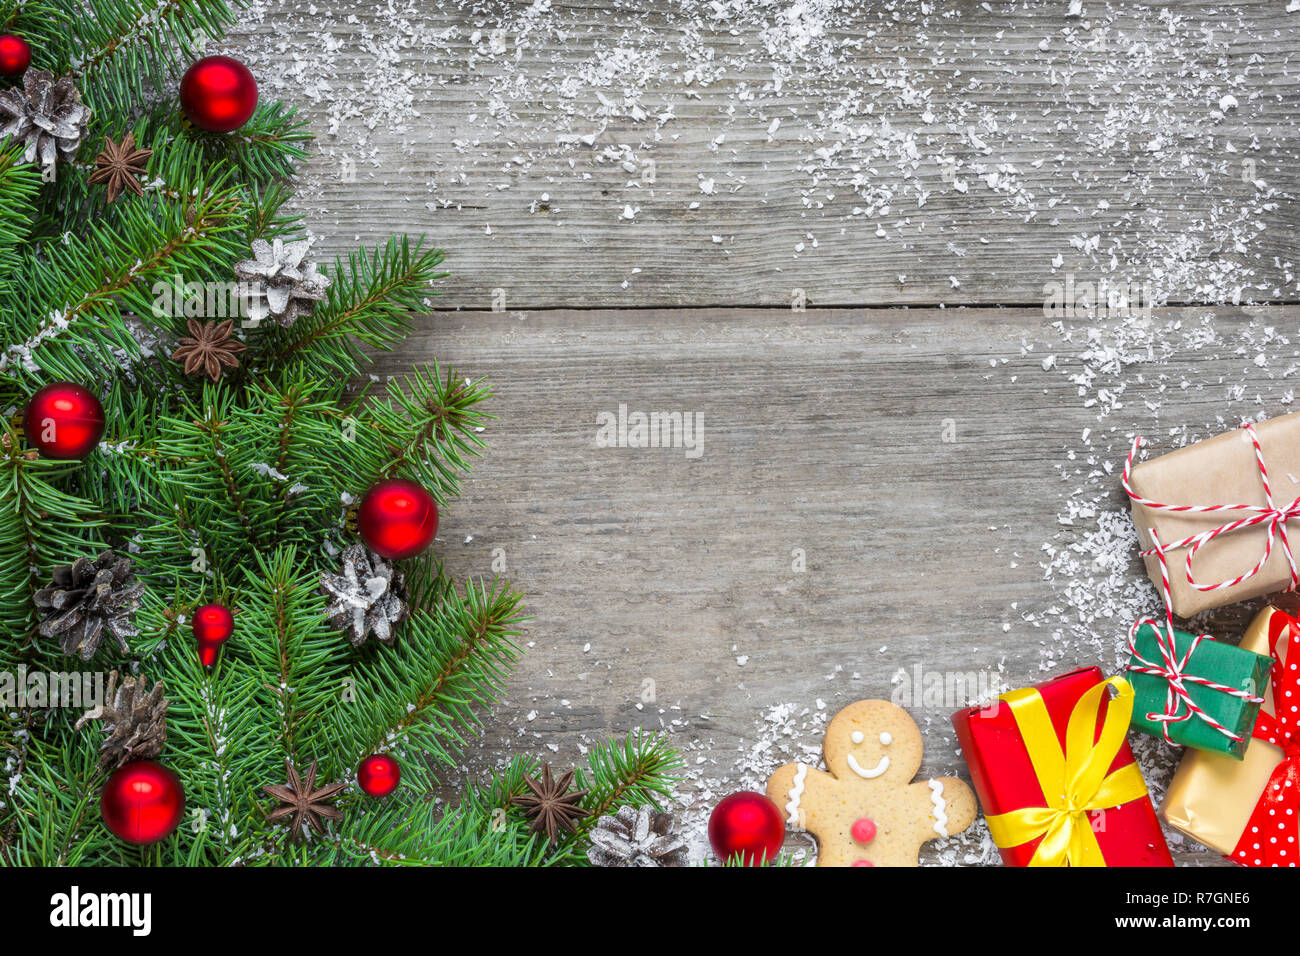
301 801
208 347
120 165
551 805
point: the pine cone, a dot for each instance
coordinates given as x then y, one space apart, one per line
136 722
636 837
87 598
289 286
368 596
46 115
7 445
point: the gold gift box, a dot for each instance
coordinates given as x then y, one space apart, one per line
1220 471
1212 795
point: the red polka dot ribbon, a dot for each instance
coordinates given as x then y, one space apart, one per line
1269 839
1268 514
1179 705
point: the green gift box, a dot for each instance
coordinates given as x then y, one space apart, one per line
1224 664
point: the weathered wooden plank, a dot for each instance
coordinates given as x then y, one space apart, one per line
824 431
925 153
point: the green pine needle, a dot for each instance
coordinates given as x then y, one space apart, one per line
240 492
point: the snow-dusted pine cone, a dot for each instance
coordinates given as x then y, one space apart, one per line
88 598
288 283
135 721
45 115
367 596
636 837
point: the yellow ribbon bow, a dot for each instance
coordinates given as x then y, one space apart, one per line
1074 781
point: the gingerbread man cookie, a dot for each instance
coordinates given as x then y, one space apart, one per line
866 811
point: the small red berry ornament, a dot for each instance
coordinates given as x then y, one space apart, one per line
218 94
64 421
379 775
15 55
397 518
142 802
213 624
746 824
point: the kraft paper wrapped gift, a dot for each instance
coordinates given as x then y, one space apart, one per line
1249 809
1222 470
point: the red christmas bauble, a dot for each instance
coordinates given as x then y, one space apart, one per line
15 55
218 94
397 518
142 802
379 775
213 624
749 824
64 421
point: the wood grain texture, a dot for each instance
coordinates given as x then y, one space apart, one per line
1102 130
930 153
823 431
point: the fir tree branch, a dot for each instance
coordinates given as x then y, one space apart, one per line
43 526
263 151
42 25
450 658
115 47
299 660
236 492
81 284
426 428
19 185
369 301
638 770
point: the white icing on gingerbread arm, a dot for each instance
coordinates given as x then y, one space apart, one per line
796 795
944 807
939 807
798 789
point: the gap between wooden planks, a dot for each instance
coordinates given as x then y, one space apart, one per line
1104 128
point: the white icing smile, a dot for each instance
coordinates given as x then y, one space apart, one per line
871 774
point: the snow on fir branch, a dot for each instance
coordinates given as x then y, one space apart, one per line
239 490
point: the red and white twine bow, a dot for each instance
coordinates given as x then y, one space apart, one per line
1174 669
1267 514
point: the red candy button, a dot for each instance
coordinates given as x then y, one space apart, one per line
863 863
864 831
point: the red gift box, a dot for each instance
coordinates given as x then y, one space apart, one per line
1008 781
